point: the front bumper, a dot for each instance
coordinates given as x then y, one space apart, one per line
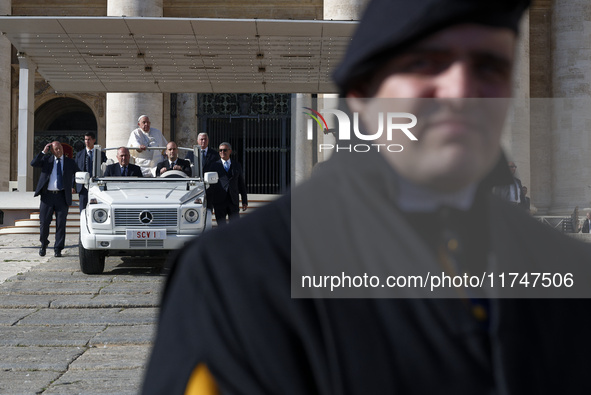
108 242
119 242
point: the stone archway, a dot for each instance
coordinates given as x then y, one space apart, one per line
63 119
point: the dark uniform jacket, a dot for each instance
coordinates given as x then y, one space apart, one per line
233 310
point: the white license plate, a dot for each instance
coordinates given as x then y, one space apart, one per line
145 234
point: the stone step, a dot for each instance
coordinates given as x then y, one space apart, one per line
31 225
35 229
35 222
35 216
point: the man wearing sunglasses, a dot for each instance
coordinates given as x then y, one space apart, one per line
226 203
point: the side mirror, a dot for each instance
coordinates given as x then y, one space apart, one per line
211 177
83 177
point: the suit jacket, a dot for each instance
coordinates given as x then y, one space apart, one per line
586 227
45 162
114 170
363 345
185 164
230 182
504 191
210 158
80 161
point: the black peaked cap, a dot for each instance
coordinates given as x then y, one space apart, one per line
387 26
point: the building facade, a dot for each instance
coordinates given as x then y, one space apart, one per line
546 134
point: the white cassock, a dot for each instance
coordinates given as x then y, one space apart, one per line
149 159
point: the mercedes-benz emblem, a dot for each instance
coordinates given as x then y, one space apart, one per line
146 217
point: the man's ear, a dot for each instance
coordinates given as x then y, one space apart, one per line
355 101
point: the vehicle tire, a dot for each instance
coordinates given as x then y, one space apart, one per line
91 261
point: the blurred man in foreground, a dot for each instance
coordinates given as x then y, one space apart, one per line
315 295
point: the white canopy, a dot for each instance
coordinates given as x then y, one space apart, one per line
125 54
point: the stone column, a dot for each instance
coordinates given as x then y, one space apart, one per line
327 101
540 15
341 10
123 109
516 137
571 83
186 121
26 110
5 86
148 8
303 150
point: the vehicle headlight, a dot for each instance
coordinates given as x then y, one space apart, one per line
99 215
191 215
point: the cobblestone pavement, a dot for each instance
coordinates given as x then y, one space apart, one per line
64 332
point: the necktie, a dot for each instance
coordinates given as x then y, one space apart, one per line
203 156
60 178
89 162
124 171
226 166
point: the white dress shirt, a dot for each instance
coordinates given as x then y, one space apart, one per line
52 186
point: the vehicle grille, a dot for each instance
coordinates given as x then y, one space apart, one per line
146 243
131 217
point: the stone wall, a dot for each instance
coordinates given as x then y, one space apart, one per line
261 9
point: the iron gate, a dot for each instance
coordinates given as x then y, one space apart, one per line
258 127
261 145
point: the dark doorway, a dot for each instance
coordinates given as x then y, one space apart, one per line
258 126
65 120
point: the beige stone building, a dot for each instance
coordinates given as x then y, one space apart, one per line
546 136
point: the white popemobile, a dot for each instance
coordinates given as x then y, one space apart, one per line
141 216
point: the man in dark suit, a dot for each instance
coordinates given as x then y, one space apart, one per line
512 192
84 160
173 162
230 185
208 156
56 185
587 224
123 168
